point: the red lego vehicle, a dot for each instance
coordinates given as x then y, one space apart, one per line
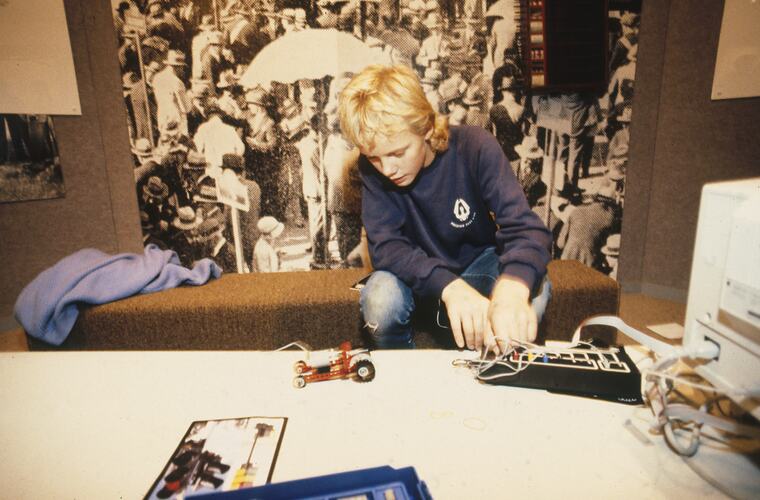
332 364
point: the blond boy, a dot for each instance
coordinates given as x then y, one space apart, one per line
446 219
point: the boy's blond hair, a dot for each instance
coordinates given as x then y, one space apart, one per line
386 100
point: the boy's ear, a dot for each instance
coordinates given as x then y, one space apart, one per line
429 134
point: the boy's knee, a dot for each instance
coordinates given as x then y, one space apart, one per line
386 307
383 295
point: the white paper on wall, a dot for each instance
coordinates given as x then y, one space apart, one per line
737 65
36 65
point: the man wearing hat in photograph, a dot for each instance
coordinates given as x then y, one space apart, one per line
203 96
265 256
421 9
247 36
429 83
629 23
192 170
229 100
292 119
581 236
611 252
475 98
172 100
616 174
161 22
213 59
172 140
620 93
434 48
451 92
312 179
618 146
260 134
155 204
290 189
209 241
183 224
336 14
215 138
529 169
507 115
142 151
344 186
261 156
200 43
577 146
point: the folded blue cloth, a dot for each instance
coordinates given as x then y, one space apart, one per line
48 306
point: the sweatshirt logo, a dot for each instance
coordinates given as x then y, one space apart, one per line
461 210
463 214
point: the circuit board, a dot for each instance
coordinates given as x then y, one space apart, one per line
598 372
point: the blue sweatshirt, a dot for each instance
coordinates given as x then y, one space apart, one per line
466 200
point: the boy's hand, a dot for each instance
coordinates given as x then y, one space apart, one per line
510 313
468 314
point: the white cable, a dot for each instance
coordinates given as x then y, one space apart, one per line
681 380
301 345
657 346
703 350
687 413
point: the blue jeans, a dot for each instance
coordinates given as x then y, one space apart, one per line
387 303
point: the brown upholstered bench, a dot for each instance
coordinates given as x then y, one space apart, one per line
268 310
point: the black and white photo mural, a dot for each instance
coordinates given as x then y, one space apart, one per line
30 168
238 156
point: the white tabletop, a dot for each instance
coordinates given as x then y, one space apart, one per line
103 425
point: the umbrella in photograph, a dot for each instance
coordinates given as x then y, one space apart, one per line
310 54
502 8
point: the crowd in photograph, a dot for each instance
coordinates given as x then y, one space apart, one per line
193 119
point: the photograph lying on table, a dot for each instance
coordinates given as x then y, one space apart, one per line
221 455
29 165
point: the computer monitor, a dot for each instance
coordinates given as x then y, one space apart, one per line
724 291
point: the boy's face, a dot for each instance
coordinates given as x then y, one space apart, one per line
401 156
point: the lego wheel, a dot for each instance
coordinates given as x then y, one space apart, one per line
299 367
365 370
299 382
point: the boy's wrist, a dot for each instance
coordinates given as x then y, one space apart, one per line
510 289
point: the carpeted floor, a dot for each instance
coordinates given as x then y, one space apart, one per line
637 310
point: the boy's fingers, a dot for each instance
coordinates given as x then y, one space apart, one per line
469 331
521 326
532 327
456 329
479 331
490 340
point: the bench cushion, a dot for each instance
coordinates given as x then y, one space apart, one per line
265 311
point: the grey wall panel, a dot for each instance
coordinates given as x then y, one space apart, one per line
36 234
646 98
697 141
102 47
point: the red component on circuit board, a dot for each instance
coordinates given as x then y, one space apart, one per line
331 364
